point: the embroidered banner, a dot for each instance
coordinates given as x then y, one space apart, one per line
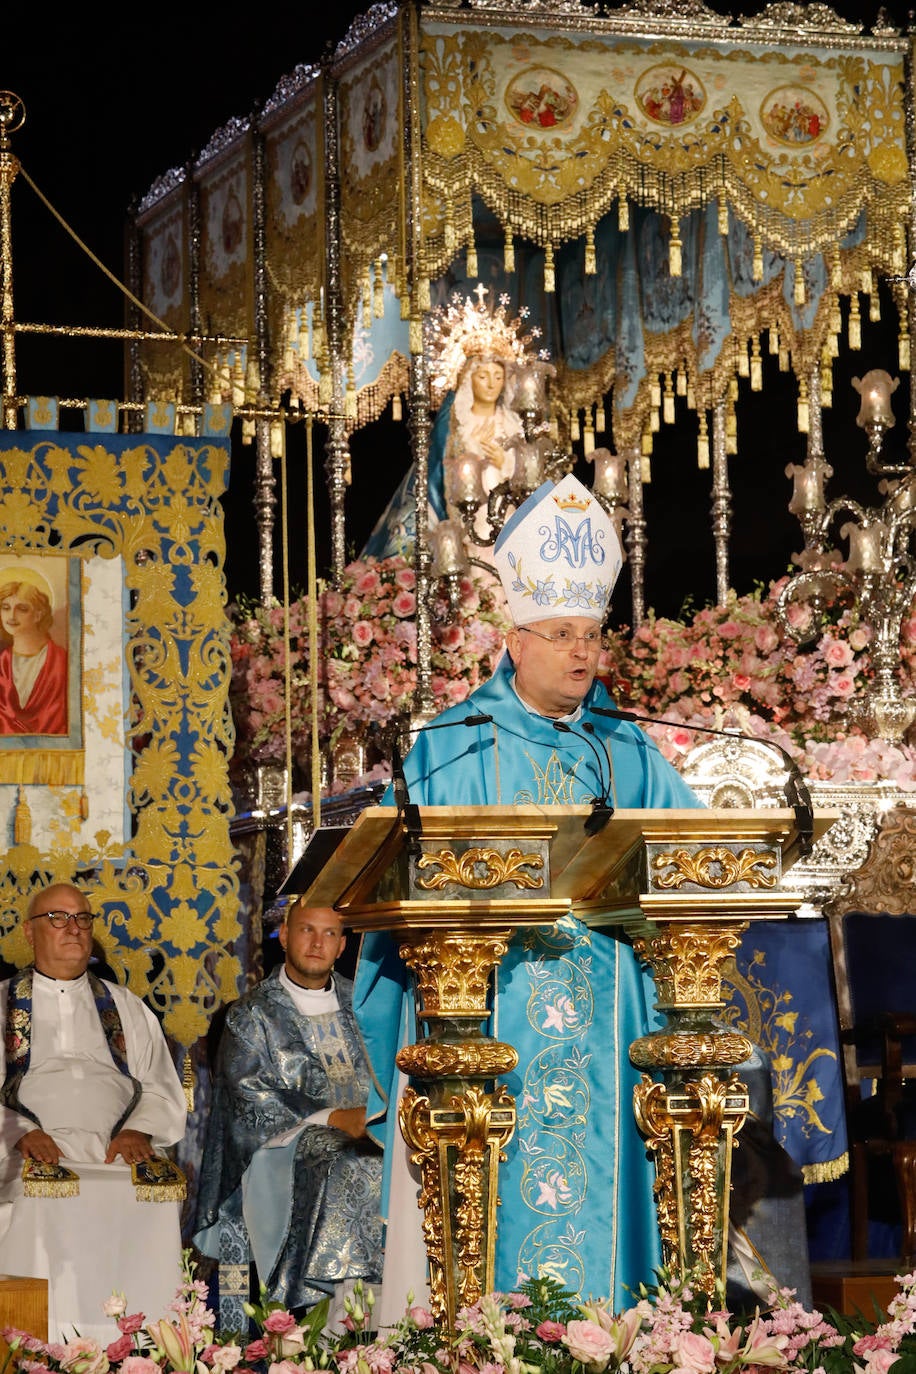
150 505
164 254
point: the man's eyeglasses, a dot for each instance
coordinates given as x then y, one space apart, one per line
565 639
60 919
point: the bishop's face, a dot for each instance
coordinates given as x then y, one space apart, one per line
555 662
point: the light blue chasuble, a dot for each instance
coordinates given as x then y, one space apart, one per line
576 1190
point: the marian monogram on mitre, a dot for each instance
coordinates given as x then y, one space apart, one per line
559 554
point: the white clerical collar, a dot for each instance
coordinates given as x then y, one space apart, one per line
48 981
533 711
310 1001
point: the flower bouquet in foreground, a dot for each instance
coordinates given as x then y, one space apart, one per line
668 1330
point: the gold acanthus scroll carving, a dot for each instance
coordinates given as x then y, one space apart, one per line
480 869
710 1111
457 1148
649 1107
716 867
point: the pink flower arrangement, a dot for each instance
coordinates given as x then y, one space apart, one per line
366 661
724 665
731 665
540 1327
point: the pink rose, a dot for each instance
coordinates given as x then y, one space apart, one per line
279 1323
406 578
226 1357
139 1364
694 1354
368 583
115 1306
131 1324
362 634
84 1356
119 1348
451 636
844 685
421 1318
837 652
257 1350
404 604
879 1361
588 1344
550 1332
871 1342
799 617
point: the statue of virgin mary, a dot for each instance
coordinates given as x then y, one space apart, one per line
473 355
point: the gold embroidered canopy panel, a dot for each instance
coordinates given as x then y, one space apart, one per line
660 185
551 128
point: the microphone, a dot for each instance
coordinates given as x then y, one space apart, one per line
479 719
796 789
406 808
602 811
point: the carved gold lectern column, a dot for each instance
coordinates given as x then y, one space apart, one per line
458 1126
684 883
451 895
686 893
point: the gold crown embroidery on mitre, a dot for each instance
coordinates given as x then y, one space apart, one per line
467 329
573 502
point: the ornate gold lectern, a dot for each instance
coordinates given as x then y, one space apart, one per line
453 885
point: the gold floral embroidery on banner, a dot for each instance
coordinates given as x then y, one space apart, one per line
795 1058
174 888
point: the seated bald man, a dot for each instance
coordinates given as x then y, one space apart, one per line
89 1090
287 1149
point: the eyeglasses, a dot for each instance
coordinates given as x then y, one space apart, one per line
565 639
61 919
